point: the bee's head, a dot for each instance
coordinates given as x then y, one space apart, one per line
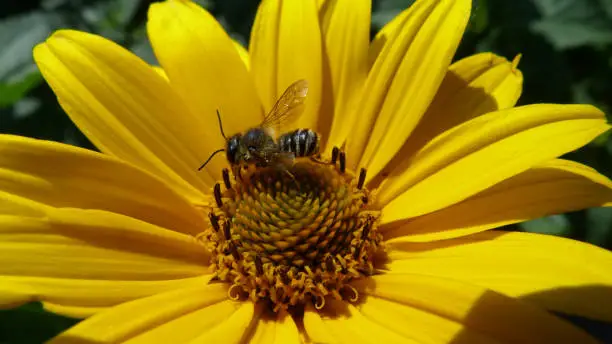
233 149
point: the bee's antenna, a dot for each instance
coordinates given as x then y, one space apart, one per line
220 126
210 157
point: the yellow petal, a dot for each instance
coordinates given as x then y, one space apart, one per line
425 327
345 324
188 326
480 153
404 80
473 86
552 187
481 74
484 311
203 305
75 243
18 206
56 256
60 175
244 54
125 108
321 4
346 32
317 330
280 330
81 298
76 312
12 294
263 51
204 66
235 327
161 72
286 46
555 273
385 34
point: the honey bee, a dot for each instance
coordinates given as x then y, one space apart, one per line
257 146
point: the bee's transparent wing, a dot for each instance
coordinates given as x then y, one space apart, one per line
288 106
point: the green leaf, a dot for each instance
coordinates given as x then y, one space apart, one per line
480 17
18 36
52 4
553 225
124 10
208 3
142 47
12 92
110 15
385 10
599 226
573 23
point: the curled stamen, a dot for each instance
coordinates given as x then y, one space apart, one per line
342 158
354 294
234 292
319 302
214 221
234 251
362 176
226 231
226 178
334 155
217 193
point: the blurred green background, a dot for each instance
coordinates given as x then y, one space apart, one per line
567 58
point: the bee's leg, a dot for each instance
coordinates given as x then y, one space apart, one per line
317 159
284 166
236 169
291 176
334 157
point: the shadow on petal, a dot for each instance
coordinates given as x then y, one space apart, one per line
77 340
567 298
600 301
551 327
599 330
468 313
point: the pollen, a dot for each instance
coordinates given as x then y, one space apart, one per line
295 235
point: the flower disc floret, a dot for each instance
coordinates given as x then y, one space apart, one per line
290 236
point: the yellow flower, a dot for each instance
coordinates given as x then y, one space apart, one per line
130 238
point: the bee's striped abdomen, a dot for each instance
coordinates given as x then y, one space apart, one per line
300 142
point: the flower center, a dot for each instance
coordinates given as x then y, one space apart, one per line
293 235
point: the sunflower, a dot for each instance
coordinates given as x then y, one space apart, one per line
388 236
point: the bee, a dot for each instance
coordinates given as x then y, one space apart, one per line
257 146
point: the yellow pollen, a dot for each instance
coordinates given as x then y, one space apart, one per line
293 236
